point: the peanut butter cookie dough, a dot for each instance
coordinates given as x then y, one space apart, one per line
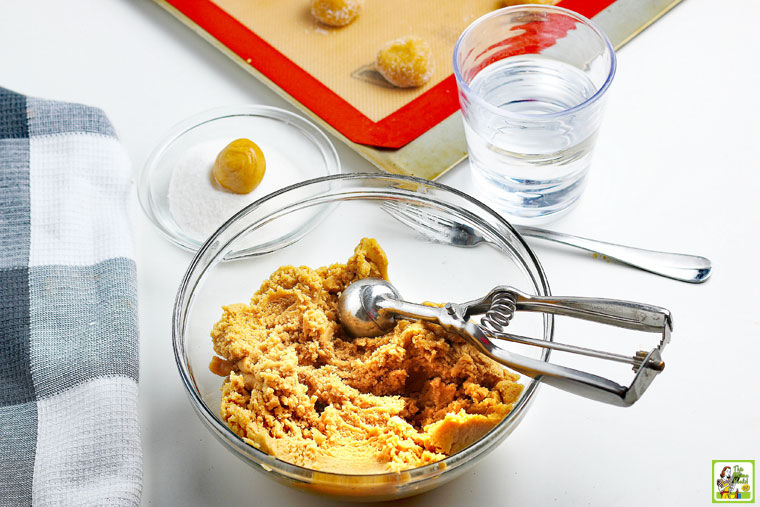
298 388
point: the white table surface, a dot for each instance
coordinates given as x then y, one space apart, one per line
676 168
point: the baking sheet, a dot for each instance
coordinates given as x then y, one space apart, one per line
295 56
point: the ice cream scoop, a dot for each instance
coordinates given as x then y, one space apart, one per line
370 307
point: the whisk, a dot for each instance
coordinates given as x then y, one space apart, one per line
369 307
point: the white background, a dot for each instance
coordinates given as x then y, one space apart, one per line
676 168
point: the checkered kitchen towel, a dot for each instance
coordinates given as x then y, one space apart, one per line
68 309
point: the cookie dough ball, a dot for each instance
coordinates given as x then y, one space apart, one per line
335 12
406 62
240 166
509 3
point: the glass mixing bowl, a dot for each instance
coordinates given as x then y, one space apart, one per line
280 229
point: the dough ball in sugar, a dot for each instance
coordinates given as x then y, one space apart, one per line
335 12
406 62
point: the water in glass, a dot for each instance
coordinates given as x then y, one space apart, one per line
533 155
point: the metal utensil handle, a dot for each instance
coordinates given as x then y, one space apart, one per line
579 382
684 267
635 360
573 381
399 307
570 380
626 314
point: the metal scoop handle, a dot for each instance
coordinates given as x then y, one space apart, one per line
568 379
574 381
615 312
369 307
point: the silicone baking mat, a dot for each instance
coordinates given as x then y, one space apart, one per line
327 72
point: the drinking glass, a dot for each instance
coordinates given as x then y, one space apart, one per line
532 81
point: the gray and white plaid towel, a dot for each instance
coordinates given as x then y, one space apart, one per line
69 428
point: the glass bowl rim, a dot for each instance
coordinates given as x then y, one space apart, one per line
303 474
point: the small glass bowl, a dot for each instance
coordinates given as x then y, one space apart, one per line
421 270
294 149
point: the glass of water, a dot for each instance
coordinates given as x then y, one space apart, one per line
532 80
